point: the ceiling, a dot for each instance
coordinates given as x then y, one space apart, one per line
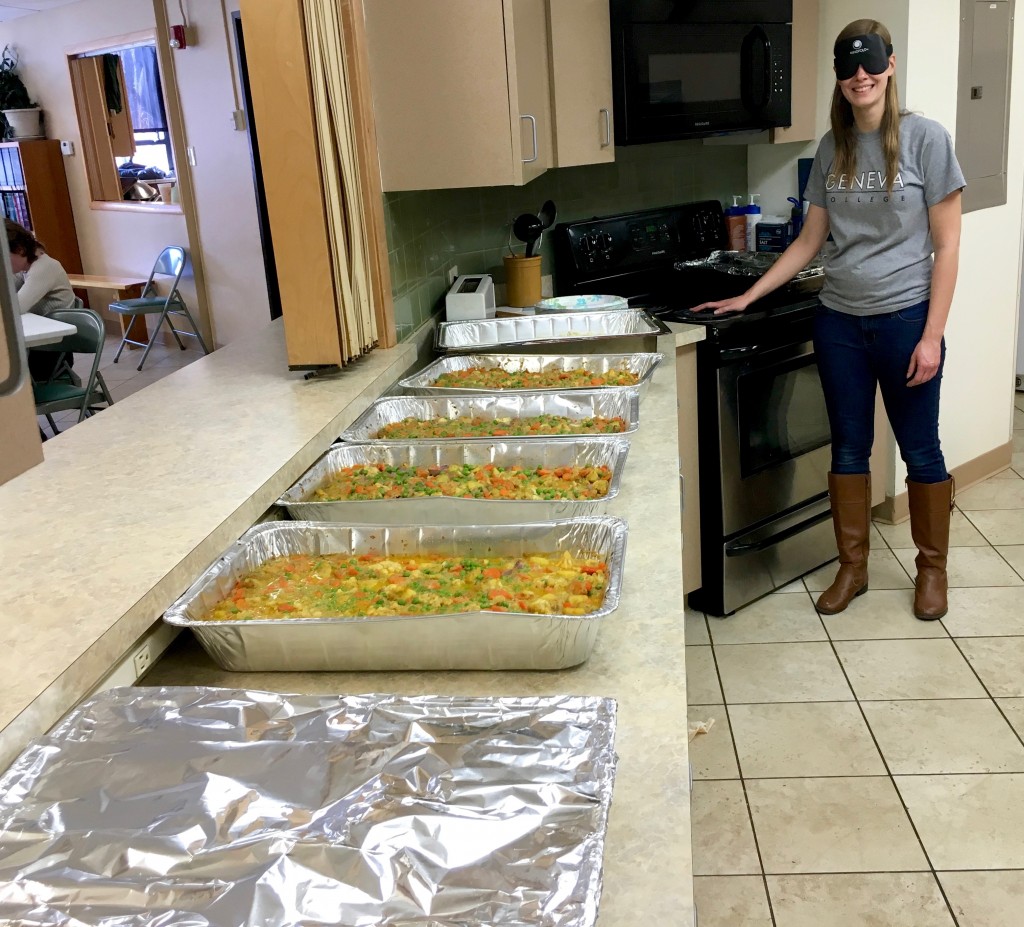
12 9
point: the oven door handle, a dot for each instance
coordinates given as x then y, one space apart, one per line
754 547
730 354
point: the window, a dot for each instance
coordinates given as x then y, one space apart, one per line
126 140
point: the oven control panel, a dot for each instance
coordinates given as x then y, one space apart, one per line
650 240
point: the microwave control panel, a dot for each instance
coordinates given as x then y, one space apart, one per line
655 238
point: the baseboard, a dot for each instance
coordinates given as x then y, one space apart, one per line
896 509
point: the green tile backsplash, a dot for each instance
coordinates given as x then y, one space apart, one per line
430 230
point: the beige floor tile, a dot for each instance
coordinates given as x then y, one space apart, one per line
723 843
971 566
696 628
731 901
772 619
913 669
884 572
1007 474
807 672
1014 555
968 822
999 661
992 494
712 755
1013 708
944 736
1018 419
702 686
796 586
1002 526
877 899
806 739
985 899
961 533
832 825
988 611
880 614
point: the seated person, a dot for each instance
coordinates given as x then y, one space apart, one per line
42 286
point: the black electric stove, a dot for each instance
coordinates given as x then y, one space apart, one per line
764 444
659 259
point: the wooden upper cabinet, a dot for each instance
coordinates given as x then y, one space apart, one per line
581 81
461 92
804 112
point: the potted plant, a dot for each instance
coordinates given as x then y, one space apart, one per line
20 116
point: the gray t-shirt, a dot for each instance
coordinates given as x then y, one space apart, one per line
880 258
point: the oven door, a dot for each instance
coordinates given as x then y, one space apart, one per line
685 80
774 435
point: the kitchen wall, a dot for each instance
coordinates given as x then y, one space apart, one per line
126 243
429 231
976 413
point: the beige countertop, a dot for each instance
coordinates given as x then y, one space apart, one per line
132 504
638 659
128 506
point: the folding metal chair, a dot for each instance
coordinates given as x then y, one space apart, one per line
58 395
170 263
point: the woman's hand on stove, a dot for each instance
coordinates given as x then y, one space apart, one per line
722 306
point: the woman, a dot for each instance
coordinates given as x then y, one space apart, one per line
887 185
42 288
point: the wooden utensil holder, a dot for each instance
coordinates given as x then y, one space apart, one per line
522 280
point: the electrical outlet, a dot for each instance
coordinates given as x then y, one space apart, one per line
142 660
453 274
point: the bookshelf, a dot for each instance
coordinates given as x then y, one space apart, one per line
34 193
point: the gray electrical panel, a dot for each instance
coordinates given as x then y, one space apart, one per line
983 99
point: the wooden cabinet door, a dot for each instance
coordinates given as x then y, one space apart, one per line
804 112
526 37
458 86
581 81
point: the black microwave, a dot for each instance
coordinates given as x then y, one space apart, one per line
693 68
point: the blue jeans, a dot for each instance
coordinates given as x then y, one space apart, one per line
856 352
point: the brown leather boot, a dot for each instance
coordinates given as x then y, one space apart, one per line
850 497
930 508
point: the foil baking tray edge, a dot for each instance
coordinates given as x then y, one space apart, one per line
546 329
643 364
166 807
596 451
576 404
469 640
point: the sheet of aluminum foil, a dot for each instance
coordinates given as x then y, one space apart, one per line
202 807
640 363
448 510
553 327
483 640
747 264
576 404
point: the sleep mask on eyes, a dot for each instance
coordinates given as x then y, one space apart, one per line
871 51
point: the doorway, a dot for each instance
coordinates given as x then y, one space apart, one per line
266 240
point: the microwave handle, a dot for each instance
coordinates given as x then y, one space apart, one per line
12 331
757 38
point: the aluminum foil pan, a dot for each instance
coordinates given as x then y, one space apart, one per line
747 264
572 404
200 807
642 364
469 640
625 326
585 452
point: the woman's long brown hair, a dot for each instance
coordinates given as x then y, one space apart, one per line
843 128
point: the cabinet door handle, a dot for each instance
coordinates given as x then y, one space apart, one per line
607 128
533 126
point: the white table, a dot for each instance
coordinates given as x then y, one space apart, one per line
40 329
